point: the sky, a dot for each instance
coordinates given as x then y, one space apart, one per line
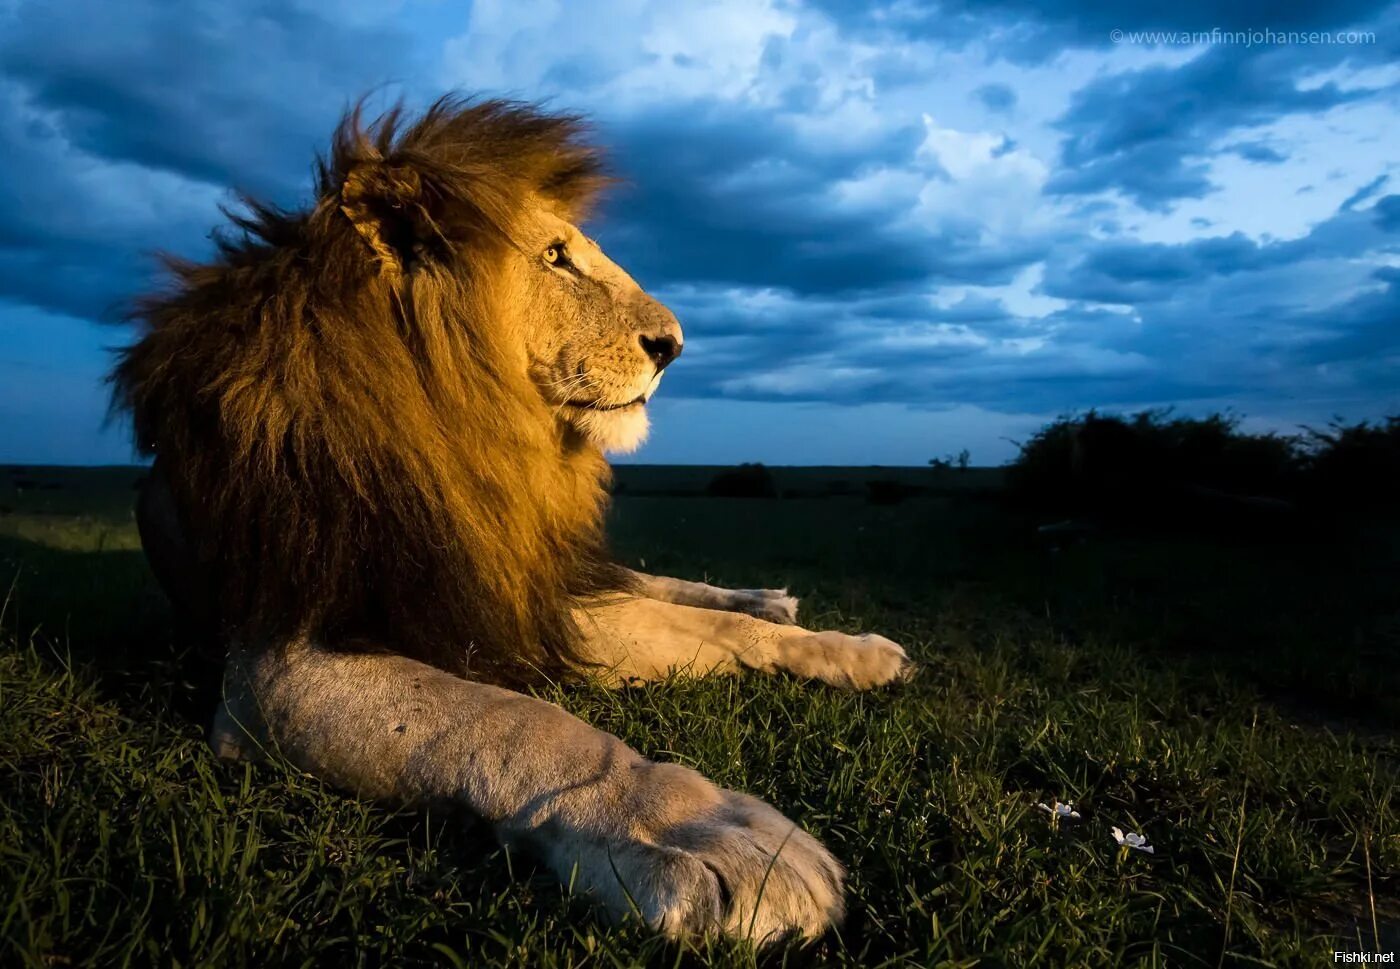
891 230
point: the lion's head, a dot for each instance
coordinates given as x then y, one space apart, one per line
593 342
382 416
596 343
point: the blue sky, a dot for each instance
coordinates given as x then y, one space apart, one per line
892 230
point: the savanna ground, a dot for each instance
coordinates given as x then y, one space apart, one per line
1236 702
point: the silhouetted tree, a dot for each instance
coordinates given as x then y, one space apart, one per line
745 481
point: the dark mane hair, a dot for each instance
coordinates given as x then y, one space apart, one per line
351 447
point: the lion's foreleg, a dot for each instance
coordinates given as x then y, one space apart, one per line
646 639
653 838
774 605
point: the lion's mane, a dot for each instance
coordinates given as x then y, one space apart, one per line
351 446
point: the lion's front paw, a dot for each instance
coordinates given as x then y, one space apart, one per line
773 878
856 662
729 864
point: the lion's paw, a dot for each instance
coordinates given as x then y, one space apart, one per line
773 605
860 662
738 868
773 878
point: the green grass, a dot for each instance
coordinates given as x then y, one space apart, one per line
1237 704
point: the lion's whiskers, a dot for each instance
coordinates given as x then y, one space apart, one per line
564 388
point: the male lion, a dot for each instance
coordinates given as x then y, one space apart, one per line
378 429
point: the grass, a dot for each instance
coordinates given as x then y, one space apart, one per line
1238 704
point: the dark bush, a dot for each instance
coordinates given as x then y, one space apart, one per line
745 481
1113 464
1356 466
1043 473
1151 463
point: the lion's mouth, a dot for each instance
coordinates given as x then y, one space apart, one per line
639 401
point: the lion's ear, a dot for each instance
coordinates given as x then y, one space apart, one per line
386 205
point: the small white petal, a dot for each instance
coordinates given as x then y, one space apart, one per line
1059 809
1132 839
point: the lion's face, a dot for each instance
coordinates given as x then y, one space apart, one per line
594 341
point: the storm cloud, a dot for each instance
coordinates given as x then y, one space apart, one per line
941 209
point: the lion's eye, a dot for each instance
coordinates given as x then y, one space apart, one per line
555 255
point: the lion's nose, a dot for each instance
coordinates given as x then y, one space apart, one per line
662 349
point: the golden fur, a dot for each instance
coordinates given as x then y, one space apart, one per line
340 405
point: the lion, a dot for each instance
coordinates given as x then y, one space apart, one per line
378 427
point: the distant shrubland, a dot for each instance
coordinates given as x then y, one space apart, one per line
745 481
1121 464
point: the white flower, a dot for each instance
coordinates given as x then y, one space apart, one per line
1059 811
1137 842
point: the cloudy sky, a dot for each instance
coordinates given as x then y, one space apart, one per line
892 230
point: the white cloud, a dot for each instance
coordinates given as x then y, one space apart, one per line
818 376
615 56
1328 157
991 183
1020 298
